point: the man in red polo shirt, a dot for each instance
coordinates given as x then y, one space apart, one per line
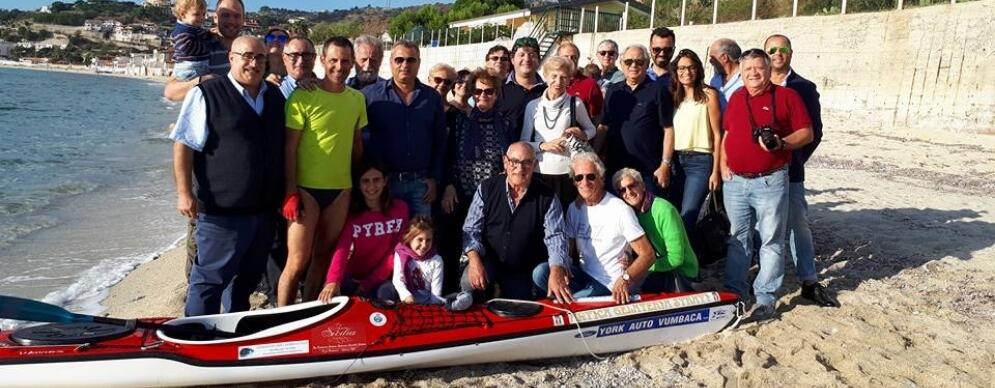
583 87
763 123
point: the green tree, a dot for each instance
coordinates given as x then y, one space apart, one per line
323 31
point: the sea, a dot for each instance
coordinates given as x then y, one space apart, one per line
86 188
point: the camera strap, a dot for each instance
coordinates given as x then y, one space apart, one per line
773 107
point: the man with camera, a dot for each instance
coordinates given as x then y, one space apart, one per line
763 123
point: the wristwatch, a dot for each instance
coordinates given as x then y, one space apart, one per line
626 277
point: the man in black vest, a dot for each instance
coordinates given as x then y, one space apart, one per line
514 224
228 166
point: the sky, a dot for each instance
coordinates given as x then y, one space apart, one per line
253 5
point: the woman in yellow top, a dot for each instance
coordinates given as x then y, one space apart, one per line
697 137
323 138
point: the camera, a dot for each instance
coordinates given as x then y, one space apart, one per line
767 136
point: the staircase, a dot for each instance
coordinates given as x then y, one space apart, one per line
554 23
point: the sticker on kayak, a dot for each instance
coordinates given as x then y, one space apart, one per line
272 350
647 307
658 322
378 319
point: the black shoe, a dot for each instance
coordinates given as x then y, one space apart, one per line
815 292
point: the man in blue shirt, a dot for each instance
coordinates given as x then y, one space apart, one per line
724 54
407 130
662 43
298 58
637 120
229 17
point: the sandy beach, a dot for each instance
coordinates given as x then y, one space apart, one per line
76 69
904 223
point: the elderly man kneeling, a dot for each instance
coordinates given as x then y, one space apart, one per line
600 226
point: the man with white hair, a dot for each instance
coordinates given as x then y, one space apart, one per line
724 55
637 123
601 226
369 56
441 77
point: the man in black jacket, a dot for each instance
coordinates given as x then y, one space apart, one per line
799 234
228 166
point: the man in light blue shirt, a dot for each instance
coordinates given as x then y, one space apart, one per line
724 54
228 166
298 58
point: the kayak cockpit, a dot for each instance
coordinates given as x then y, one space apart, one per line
248 325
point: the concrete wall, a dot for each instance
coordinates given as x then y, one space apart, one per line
927 67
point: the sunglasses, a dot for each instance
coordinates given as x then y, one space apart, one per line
402 60
443 81
658 50
637 62
499 59
250 56
282 39
305 56
783 50
607 53
486 92
631 188
589 177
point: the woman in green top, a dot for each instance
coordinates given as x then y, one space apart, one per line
675 263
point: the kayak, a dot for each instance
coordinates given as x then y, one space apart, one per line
347 335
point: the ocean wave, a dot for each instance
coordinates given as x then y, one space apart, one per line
13 232
26 278
73 188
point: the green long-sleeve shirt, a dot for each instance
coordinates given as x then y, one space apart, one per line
665 230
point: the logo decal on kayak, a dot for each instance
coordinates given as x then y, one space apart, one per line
557 320
685 318
586 333
647 307
378 319
272 350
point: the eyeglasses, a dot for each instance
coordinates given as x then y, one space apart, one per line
280 38
631 188
250 56
637 62
607 53
444 81
686 68
303 55
589 177
501 58
486 92
658 50
783 50
402 60
523 163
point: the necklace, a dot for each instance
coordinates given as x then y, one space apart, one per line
550 123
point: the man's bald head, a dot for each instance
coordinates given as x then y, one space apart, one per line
521 150
248 60
244 43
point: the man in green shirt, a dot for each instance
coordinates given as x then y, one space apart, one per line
676 263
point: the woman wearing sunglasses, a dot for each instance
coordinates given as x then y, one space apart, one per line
557 125
275 39
697 122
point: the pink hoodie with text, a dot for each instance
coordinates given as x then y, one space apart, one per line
371 236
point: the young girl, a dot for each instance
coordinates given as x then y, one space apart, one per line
418 270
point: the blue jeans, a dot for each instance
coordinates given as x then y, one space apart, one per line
763 201
581 285
231 259
412 192
689 185
799 234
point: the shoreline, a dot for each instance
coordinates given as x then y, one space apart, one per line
879 202
73 69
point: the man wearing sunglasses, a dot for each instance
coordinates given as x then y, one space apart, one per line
600 227
369 57
763 124
407 130
229 17
442 77
513 228
228 167
662 43
638 123
723 55
607 55
498 61
522 85
799 234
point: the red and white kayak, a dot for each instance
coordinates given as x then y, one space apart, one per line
348 335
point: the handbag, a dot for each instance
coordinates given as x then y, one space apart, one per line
711 231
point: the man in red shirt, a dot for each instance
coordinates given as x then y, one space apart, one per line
763 123
582 86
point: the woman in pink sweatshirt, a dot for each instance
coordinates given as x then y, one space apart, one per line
363 257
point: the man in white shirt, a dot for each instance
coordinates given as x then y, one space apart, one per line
600 226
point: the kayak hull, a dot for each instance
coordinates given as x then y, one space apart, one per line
556 331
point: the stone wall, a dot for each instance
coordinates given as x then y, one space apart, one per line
929 67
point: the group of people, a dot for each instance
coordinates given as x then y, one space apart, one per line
523 178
